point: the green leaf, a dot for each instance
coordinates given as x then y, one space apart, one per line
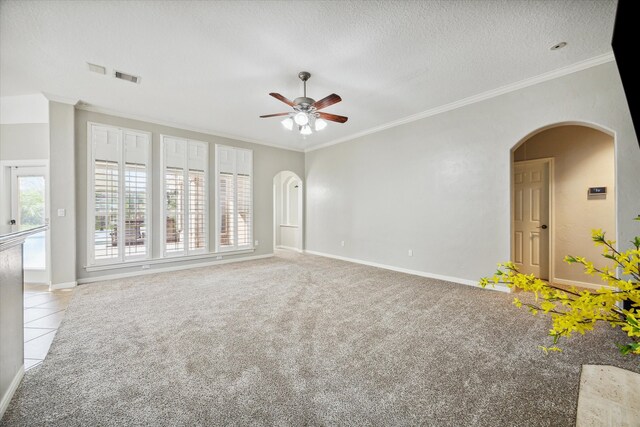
628 348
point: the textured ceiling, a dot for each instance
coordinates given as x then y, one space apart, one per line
211 65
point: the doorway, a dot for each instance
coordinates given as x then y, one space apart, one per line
288 211
30 207
553 208
531 212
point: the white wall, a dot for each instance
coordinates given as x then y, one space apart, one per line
441 185
583 158
24 141
24 135
24 109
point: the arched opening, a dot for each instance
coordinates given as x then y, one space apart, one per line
287 211
563 186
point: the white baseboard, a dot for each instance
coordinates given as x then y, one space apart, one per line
6 399
500 288
65 285
578 284
168 269
289 248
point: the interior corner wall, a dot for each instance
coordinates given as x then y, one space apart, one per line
24 141
583 158
62 176
19 141
440 186
267 162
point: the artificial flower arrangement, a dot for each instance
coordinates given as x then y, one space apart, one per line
616 303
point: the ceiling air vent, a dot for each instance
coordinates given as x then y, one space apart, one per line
97 68
128 77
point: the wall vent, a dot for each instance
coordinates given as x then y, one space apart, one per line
97 68
128 77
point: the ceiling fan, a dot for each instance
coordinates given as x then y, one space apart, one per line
306 112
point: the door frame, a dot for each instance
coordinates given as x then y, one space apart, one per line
552 219
6 183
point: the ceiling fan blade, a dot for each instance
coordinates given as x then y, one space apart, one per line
327 101
274 115
282 98
333 117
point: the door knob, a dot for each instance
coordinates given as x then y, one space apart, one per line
543 226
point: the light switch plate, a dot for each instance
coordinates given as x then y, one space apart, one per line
62 212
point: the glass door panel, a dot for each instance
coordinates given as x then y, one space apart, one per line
29 208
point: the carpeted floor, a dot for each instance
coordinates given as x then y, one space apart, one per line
303 340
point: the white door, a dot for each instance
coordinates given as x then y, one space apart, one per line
29 207
530 240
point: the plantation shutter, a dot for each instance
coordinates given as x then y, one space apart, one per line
185 196
234 184
120 192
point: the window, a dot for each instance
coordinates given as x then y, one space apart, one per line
185 213
119 195
234 208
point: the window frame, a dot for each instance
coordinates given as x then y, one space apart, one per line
218 210
122 257
185 252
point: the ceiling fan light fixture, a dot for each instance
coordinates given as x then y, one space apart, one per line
320 124
301 118
288 123
306 116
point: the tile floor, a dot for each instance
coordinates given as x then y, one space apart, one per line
43 313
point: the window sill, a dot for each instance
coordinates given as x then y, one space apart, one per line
165 260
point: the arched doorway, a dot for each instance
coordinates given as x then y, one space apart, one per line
563 186
287 212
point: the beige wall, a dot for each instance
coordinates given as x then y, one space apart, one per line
583 157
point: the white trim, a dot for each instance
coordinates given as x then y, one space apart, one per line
61 99
186 169
554 74
289 248
45 274
64 285
165 260
466 282
90 239
550 161
168 269
100 110
579 284
217 211
8 395
550 75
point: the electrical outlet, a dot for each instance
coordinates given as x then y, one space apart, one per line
257 243
219 257
62 212
342 243
146 267
410 252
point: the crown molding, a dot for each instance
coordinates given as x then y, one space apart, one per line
560 72
100 110
61 99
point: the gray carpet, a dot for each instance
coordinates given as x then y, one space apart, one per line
303 340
